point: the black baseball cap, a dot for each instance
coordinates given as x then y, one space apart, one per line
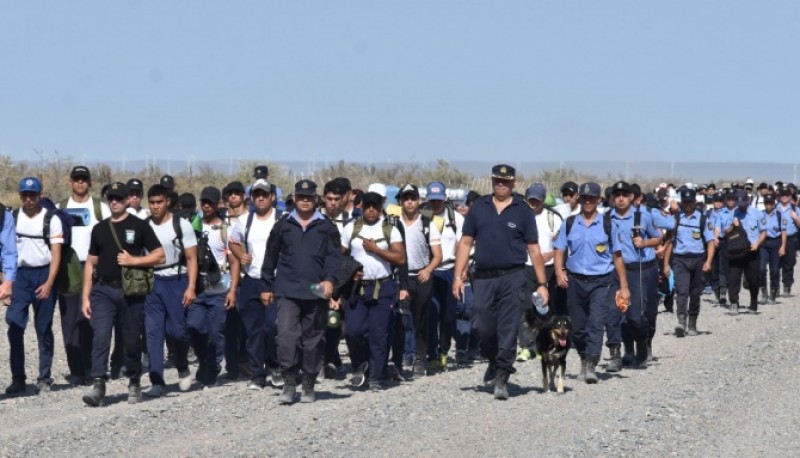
117 189
187 200
621 186
408 189
305 188
233 186
503 172
688 195
167 181
211 194
769 199
569 186
134 184
261 171
372 198
80 171
590 190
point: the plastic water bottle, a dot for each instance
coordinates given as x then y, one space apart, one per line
318 290
538 302
334 319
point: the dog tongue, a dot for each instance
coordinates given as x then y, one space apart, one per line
562 342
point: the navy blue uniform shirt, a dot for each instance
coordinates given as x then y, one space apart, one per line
501 241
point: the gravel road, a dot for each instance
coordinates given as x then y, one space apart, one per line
730 391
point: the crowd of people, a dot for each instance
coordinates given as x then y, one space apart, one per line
266 287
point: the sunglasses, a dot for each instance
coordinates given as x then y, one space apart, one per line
115 198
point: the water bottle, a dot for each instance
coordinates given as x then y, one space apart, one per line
318 290
538 302
334 319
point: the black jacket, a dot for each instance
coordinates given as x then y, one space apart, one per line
296 259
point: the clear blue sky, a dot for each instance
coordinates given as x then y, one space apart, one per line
477 80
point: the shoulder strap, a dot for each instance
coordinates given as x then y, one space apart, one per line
3 210
426 228
551 221
250 223
451 216
63 203
114 234
357 226
48 218
703 218
15 213
607 225
637 218
570 222
98 212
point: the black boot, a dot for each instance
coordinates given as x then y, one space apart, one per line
94 395
591 375
692 326
773 294
615 365
308 395
582 374
490 375
289 388
787 290
501 385
628 355
723 297
680 329
649 351
733 309
640 360
764 297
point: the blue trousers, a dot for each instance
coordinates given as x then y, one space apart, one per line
205 321
367 322
689 280
499 302
442 323
110 306
22 295
165 315
789 259
301 331
260 329
588 299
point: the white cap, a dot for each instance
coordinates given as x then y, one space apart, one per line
690 186
662 186
749 181
378 188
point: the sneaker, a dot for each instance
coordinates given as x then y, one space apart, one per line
359 377
443 362
330 371
134 393
375 386
16 387
395 373
461 358
276 379
734 309
708 290
155 391
185 380
420 368
231 376
523 355
42 386
255 385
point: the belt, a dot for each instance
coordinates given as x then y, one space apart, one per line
494 273
640 265
689 255
375 282
109 283
773 238
447 264
589 277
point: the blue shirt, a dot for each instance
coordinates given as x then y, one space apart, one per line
501 241
689 235
589 250
662 221
622 233
724 219
771 223
8 247
786 212
751 220
317 215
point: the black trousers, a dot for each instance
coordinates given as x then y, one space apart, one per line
109 305
719 270
77 333
689 282
749 267
789 259
768 257
301 328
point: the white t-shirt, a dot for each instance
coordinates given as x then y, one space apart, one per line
256 240
417 251
218 248
168 238
546 235
374 266
33 252
566 211
143 213
81 235
450 240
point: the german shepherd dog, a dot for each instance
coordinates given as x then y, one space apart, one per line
553 340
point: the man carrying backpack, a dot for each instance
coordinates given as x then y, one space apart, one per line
173 291
748 223
39 240
75 328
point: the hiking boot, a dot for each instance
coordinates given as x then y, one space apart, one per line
642 353
134 393
185 380
420 367
501 385
649 359
490 375
330 371
155 391
277 379
723 302
307 395
628 355
17 387
395 373
255 385
42 386
375 386
582 374
443 362
94 395
615 365
680 329
289 389
734 309
359 377
787 290
692 326
591 375
753 308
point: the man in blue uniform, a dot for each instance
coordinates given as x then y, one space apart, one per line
504 232
787 207
749 219
588 278
773 248
691 255
636 236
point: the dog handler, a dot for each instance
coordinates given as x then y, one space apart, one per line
504 232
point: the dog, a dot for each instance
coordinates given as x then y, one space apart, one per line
553 341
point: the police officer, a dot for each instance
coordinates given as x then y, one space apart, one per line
302 251
588 278
35 285
119 241
773 248
788 260
636 237
503 229
691 254
747 218
719 281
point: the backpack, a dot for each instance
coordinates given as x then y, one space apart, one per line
426 211
98 212
209 272
70 271
606 224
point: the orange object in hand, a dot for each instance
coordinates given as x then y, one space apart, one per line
622 305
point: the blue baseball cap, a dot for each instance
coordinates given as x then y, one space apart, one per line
436 191
536 191
30 184
590 189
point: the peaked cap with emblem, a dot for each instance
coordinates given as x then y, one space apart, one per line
590 189
118 190
305 188
504 172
